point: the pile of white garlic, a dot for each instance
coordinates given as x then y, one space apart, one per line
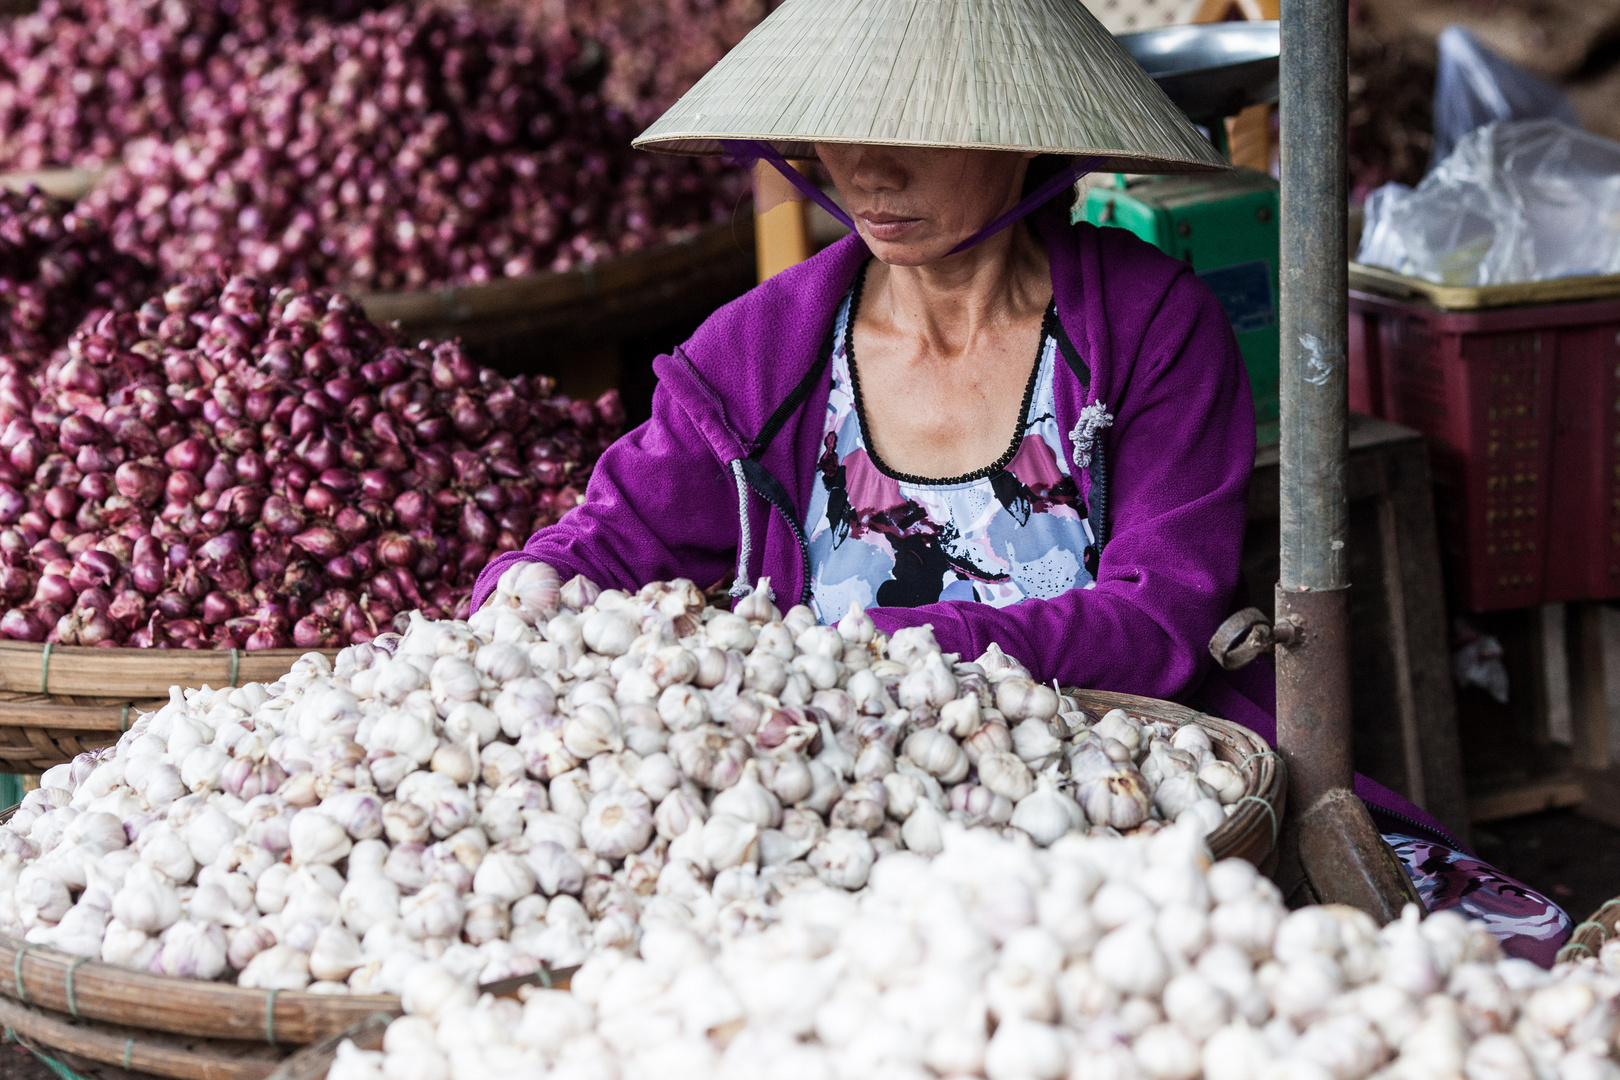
524 787
1097 958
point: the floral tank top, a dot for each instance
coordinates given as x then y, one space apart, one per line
1013 530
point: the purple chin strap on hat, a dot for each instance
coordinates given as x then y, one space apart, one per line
747 152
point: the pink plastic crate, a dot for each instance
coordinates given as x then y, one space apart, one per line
1520 407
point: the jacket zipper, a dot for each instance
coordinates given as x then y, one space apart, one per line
1434 833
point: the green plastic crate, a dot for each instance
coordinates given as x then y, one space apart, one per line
11 790
1225 228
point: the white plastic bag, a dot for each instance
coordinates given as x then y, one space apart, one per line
1515 201
1474 87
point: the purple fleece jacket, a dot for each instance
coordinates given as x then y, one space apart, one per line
662 503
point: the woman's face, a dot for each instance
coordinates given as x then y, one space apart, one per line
912 205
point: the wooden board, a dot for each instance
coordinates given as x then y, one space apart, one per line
1551 793
1376 279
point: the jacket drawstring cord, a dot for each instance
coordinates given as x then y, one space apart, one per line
740 586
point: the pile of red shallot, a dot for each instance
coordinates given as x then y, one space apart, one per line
80 78
55 268
650 51
405 148
234 467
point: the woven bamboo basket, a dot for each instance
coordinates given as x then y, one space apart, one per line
552 323
121 1021
57 701
105 1021
106 1051
1251 831
69 184
1600 928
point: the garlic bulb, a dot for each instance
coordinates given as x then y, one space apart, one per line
728 841
317 838
749 800
709 756
787 774
1225 780
1019 699
678 810
1046 813
929 685
923 830
961 717
618 824
856 626
937 754
863 806
843 858
1005 774
1117 800
1116 724
990 736
1180 792
1035 744
147 902
276 968
504 877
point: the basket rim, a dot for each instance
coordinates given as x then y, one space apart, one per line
135 1051
1260 809
94 990
126 674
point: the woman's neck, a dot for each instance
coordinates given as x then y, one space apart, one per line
945 306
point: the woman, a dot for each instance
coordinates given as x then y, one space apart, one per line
1037 435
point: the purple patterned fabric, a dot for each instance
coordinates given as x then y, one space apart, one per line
1012 530
1528 925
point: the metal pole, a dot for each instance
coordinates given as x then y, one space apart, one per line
1331 851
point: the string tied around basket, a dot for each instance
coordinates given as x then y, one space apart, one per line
749 152
1603 931
1270 810
17 971
45 669
67 984
1282 765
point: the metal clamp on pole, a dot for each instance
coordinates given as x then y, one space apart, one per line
1246 635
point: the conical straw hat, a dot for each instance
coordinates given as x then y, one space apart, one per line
1037 75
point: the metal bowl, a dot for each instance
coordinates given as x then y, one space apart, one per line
1211 70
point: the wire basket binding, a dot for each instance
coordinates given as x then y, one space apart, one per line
1589 937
